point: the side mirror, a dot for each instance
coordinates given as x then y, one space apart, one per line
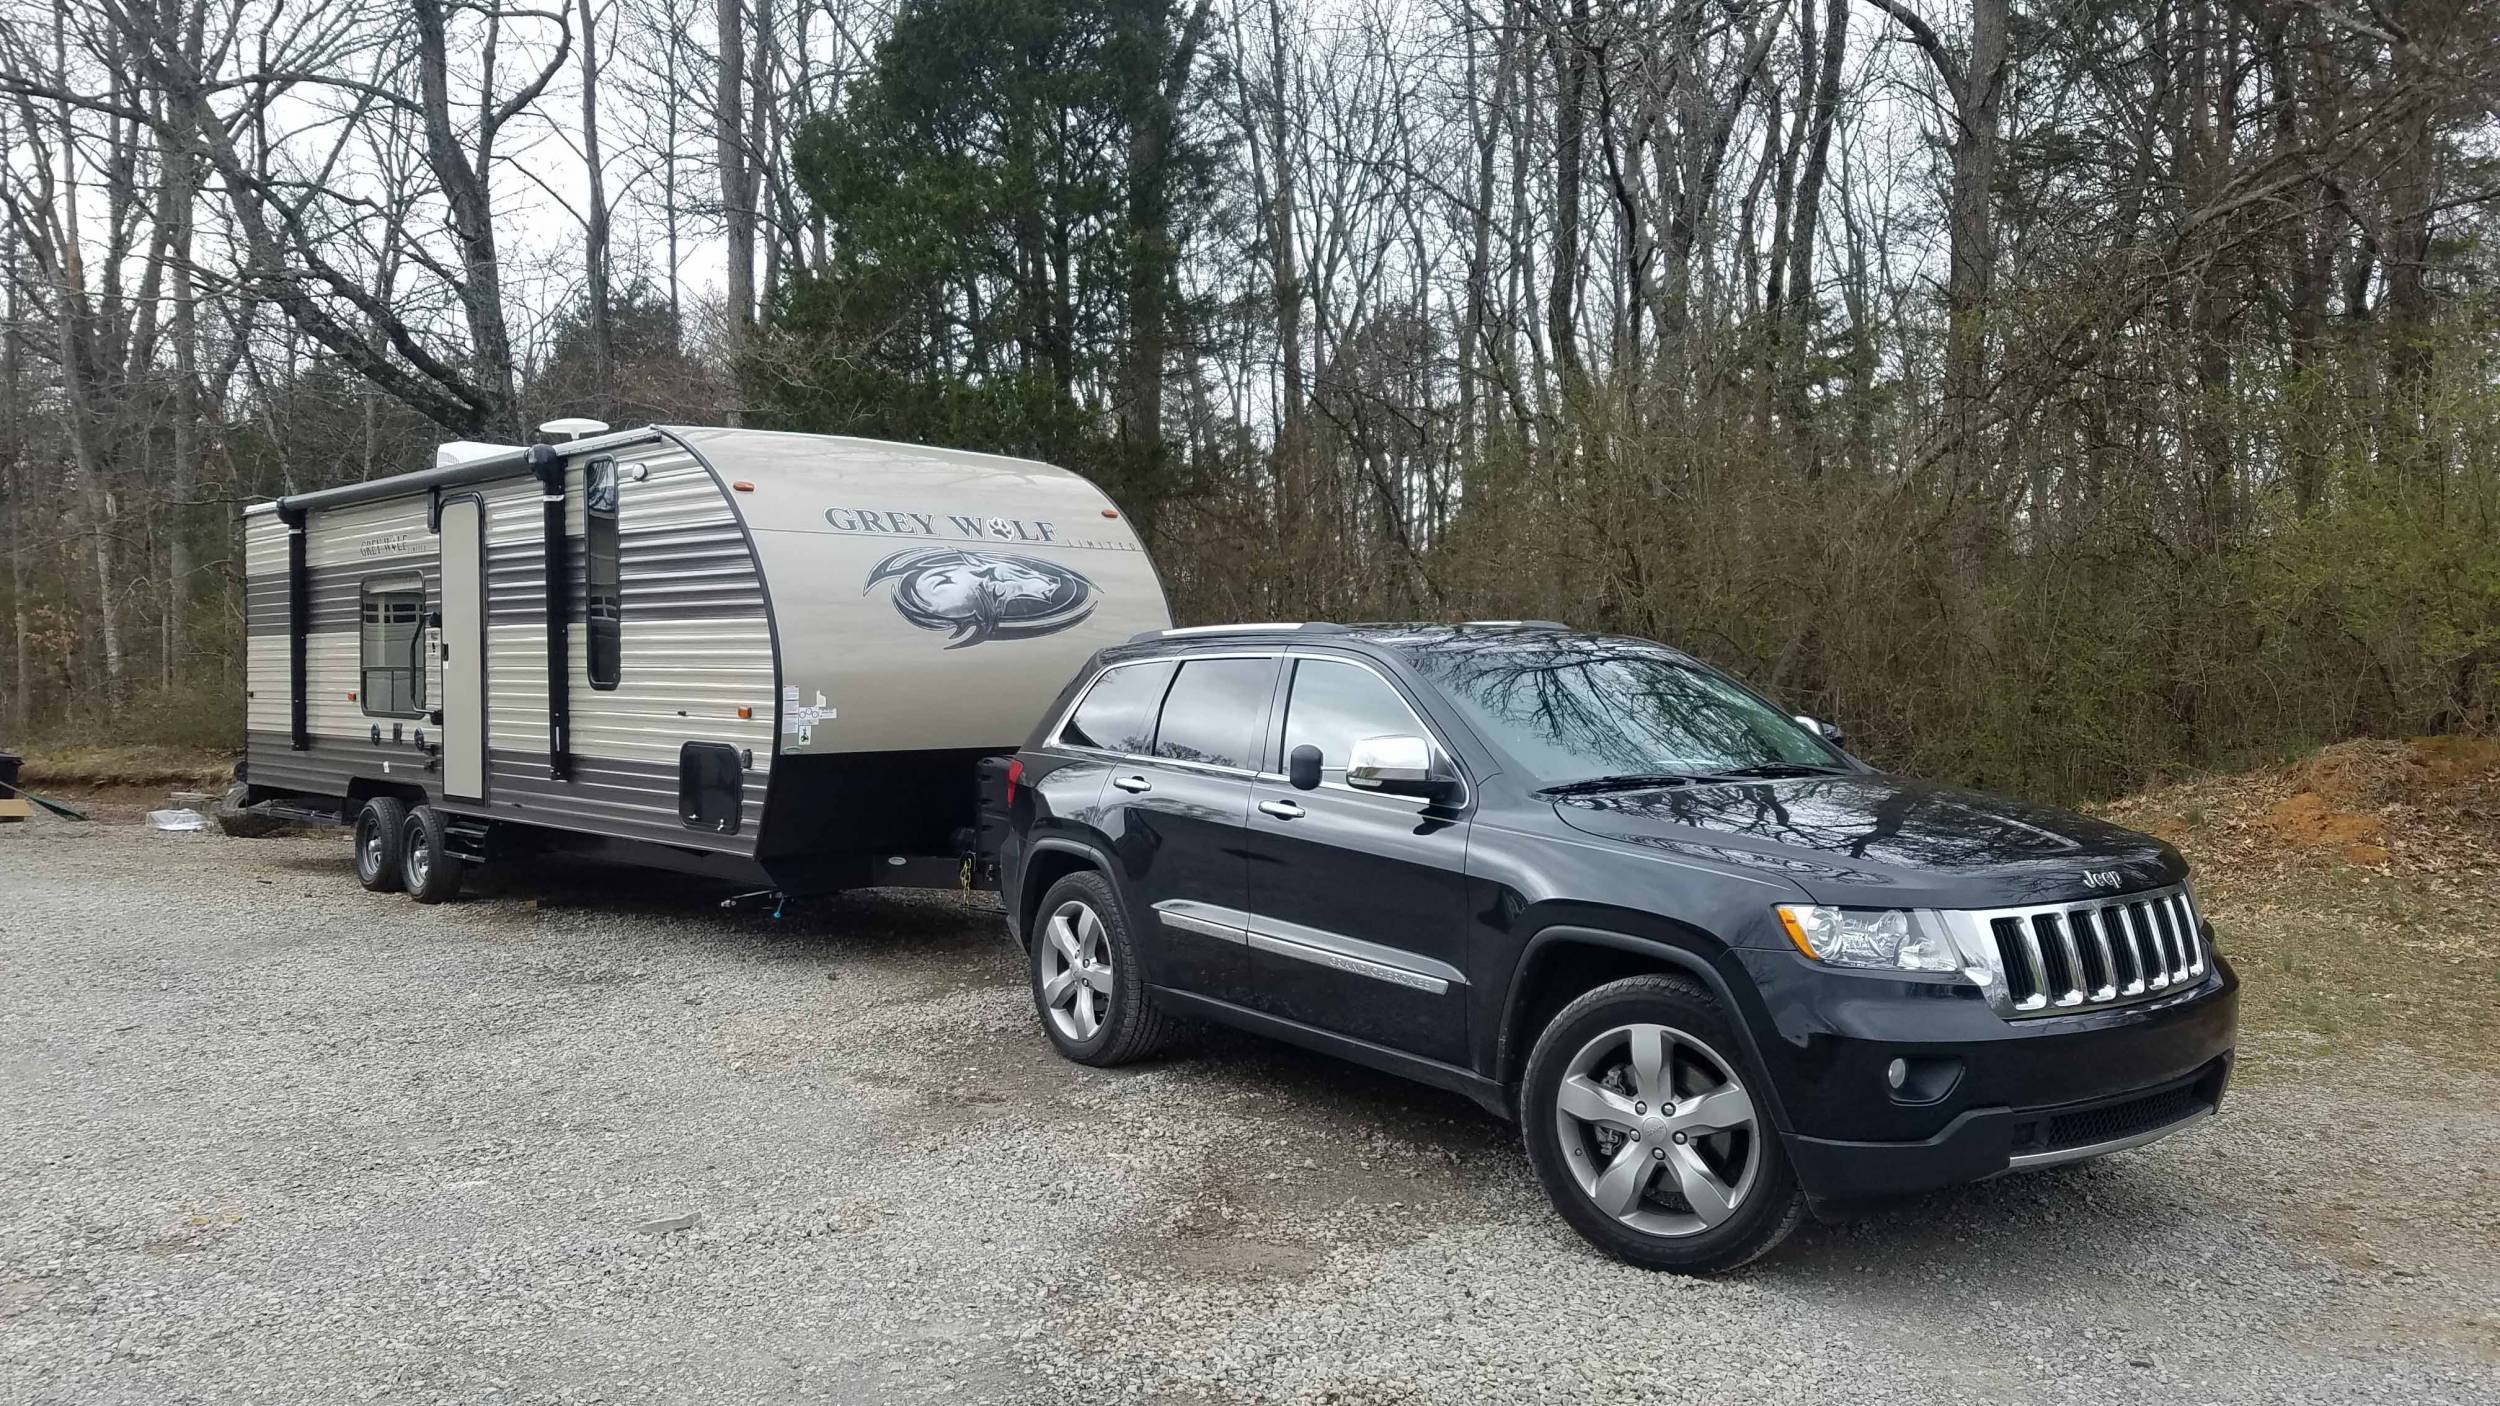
1302 768
1393 766
1819 728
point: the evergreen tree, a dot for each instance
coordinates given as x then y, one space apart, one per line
1006 197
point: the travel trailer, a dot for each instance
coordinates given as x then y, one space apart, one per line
774 659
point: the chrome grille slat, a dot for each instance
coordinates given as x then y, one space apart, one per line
2188 943
2093 947
2129 972
2156 962
2088 954
2031 962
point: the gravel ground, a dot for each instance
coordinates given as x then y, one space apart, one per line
583 1137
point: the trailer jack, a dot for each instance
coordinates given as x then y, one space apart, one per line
779 900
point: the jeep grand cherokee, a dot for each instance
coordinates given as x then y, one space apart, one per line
1717 969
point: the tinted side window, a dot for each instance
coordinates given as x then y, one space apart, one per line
601 598
1118 714
1335 705
1217 712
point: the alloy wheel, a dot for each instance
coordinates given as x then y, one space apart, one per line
1076 970
418 862
369 850
1658 1130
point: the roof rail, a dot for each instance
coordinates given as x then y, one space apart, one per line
1522 624
1262 627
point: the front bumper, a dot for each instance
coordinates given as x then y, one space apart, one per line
1985 1095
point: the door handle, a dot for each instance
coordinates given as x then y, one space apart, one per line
1282 810
1132 784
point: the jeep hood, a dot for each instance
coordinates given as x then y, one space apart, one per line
1883 841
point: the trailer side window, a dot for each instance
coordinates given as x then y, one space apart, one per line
1118 714
601 601
391 681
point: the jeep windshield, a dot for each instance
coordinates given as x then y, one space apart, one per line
1586 715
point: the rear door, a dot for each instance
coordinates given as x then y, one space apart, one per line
1356 900
1188 737
462 525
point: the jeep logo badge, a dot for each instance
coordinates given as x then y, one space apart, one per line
2100 878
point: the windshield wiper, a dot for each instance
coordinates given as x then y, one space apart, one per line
1773 771
1627 781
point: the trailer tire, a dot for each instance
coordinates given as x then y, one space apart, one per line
381 841
433 873
244 824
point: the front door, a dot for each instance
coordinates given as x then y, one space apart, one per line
1357 900
462 527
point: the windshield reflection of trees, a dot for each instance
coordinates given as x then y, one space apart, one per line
1665 715
1580 707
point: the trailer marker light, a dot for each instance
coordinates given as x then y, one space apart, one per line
746 712
743 486
1110 512
1015 773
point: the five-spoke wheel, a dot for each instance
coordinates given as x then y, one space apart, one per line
1643 1127
1659 1129
1088 983
1075 969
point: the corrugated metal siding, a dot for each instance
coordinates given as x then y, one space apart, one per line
696 646
268 667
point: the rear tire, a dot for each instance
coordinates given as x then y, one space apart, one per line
1661 1150
380 841
1089 985
434 875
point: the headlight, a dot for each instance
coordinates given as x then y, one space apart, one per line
1880 939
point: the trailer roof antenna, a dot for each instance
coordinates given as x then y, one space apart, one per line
573 427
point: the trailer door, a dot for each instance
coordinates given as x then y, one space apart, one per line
463 529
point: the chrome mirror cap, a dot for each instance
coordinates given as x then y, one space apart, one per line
1383 762
1819 728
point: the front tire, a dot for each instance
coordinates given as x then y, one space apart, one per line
1642 1121
380 842
1089 986
433 873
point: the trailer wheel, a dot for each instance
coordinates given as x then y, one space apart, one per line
433 874
380 842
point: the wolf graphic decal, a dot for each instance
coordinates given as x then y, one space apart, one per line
983 595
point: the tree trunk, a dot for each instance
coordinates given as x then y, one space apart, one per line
1571 68
469 201
1971 276
737 192
1798 316
595 227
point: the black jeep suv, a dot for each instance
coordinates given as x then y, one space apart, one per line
1717 968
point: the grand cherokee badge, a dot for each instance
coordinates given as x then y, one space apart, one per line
984 595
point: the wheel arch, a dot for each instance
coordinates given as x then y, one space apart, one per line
1054 857
1565 960
366 788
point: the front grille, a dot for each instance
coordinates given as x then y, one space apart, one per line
2112 1121
2102 952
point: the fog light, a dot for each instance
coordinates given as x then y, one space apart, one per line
1897 1073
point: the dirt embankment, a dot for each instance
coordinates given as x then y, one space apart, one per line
2425 805
107 768
2354 890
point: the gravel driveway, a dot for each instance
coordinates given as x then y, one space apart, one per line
583 1137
